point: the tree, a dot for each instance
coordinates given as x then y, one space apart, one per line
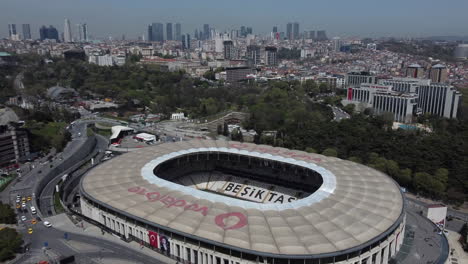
10 243
355 159
441 175
404 177
349 108
310 150
7 214
330 152
226 130
427 184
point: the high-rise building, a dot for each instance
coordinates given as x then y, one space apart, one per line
67 33
85 32
14 141
26 31
178 31
253 55
79 32
438 73
312 34
158 32
11 30
195 35
150 32
337 43
415 71
271 56
48 33
275 29
249 30
289 31
206 32
243 31
189 45
169 35
229 50
296 30
321 35
184 45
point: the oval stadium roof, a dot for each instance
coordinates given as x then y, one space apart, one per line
354 206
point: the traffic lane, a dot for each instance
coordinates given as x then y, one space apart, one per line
450 212
57 240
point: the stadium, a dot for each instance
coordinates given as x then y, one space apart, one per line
220 202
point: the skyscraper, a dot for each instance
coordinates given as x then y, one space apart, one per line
184 44
11 30
48 33
26 31
249 30
67 33
206 31
289 33
243 31
188 41
321 35
312 34
158 31
196 34
150 32
296 30
178 31
169 35
85 32
275 29
79 33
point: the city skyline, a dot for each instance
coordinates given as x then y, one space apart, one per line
365 19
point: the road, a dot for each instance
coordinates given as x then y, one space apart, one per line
87 249
339 114
455 224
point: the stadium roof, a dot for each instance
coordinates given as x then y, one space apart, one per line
355 206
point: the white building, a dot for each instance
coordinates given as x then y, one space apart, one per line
384 100
177 116
439 99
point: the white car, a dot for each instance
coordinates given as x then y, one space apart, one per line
33 210
23 218
23 205
47 224
18 200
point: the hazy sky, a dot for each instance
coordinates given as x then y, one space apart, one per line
373 18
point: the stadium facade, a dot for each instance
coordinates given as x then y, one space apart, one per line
218 202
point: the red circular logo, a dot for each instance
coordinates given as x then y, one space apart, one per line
241 220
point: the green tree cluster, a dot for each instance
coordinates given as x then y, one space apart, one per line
7 214
10 243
